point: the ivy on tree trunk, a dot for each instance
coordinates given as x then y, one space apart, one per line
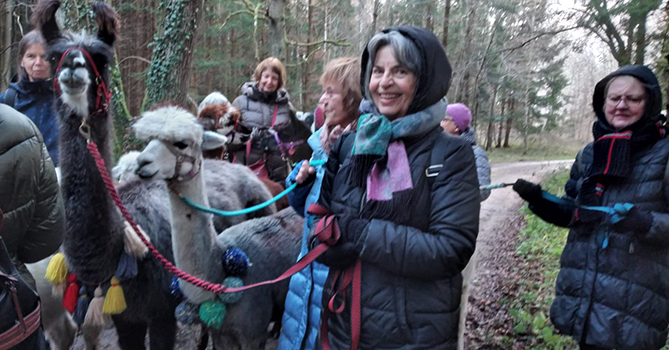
169 75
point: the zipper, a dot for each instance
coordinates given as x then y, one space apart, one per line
362 202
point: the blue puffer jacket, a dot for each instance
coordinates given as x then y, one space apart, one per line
301 318
35 99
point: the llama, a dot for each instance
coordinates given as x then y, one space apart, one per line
216 113
94 240
272 242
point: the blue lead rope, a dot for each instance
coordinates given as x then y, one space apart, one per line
616 213
249 209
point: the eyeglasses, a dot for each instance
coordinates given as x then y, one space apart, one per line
632 101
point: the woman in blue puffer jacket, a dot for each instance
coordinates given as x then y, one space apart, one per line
31 92
340 100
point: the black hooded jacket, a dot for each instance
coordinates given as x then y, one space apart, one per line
617 297
411 265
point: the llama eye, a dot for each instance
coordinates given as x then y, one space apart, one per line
180 145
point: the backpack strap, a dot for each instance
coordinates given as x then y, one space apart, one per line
10 97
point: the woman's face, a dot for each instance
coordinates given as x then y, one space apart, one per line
35 63
269 81
333 106
391 85
449 126
625 102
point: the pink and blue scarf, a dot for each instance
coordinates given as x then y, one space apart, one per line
380 162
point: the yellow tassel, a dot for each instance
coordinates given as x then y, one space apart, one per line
56 272
115 300
94 315
132 244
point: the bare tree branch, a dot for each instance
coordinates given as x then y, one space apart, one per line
539 35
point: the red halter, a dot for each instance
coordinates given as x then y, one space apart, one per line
100 104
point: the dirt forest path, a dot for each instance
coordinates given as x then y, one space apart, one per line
499 224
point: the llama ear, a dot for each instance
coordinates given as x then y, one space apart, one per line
44 19
107 23
213 140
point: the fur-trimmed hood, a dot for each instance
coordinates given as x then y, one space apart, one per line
250 90
168 123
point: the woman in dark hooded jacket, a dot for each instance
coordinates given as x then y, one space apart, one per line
32 91
612 291
406 201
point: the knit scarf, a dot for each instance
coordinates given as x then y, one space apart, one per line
380 162
330 134
611 161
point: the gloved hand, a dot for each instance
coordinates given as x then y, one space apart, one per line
529 191
339 256
350 228
636 221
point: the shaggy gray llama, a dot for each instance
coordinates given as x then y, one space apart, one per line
174 154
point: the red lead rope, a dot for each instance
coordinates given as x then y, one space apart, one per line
327 231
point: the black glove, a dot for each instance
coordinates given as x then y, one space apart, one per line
350 228
339 256
636 221
529 191
553 213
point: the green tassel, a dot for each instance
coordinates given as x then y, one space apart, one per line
212 313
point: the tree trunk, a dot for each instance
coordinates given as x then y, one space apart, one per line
509 123
526 122
447 14
171 64
501 126
277 28
375 15
640 42
307 65
489 132
5 45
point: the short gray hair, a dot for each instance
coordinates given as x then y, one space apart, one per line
405 51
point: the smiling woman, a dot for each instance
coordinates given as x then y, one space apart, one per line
408 234
31 90
614 273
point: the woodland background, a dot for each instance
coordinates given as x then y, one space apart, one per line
526 68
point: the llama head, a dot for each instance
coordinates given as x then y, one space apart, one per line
216 113
79 62
175 144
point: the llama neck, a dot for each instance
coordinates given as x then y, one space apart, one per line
194 238
93 236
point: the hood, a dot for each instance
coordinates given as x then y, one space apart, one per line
251 91
435 77
470 136
653 91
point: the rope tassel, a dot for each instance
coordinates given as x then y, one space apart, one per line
95 316
56 271
115 300
132 244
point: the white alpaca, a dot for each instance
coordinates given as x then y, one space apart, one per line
174 154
